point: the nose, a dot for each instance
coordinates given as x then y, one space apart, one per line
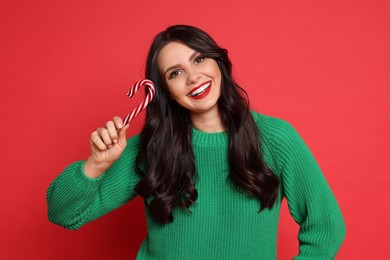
192 77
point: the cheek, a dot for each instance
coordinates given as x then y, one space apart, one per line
214 71
216 74
173 90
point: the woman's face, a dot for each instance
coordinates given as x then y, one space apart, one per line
193 80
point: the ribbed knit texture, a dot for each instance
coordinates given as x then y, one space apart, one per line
224 223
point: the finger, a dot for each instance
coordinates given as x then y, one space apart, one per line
122 134
103 133
97 141
112 131
118 122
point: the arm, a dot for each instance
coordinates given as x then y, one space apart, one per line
74 199
310 199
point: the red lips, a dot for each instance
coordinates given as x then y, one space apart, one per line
202 94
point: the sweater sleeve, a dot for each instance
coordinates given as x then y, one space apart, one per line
73 199
309 197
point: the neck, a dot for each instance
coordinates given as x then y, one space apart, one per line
209 122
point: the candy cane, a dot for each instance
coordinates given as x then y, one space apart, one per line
148 97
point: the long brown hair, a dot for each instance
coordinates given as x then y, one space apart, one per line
166 160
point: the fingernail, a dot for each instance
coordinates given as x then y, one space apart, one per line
120 125
115 140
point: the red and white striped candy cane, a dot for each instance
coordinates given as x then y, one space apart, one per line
148 97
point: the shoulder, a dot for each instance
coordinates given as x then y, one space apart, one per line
275 130
134 140
283 141
280 140
133 145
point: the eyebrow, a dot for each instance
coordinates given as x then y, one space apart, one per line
178 65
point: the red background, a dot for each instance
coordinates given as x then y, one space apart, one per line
66 67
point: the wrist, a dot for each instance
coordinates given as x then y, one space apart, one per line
93 169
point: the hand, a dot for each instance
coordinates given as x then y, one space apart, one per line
107 144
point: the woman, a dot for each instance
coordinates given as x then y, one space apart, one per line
212 172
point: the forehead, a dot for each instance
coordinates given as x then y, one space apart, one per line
173 53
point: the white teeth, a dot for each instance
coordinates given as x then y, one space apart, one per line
200 90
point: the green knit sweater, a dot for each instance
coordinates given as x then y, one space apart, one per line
224 224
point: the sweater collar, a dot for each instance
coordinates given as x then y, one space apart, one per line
209 138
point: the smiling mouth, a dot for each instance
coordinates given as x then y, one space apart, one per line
200 90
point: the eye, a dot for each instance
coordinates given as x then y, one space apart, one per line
199 59
174 74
